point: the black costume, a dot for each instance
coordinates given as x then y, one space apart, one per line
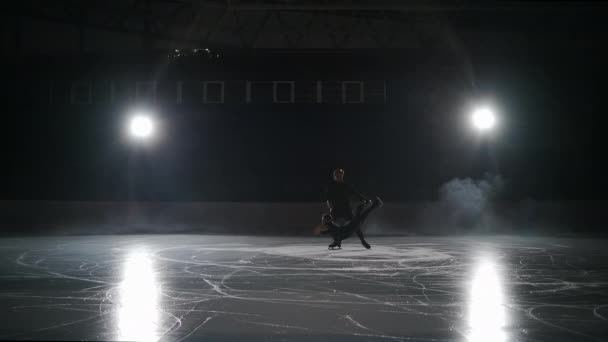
339 233
340 197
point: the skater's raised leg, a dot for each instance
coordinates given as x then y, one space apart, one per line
362 238
363 214
376 203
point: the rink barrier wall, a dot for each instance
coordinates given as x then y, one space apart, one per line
34 217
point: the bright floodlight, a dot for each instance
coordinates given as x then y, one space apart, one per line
141 126
483 119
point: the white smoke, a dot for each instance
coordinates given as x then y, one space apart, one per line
468 202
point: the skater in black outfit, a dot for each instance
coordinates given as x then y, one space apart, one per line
341 196
341 221
339 233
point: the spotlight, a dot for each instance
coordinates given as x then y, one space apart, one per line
141 126
483 119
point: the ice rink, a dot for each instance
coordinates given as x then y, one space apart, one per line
195 287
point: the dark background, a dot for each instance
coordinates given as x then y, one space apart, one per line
544 70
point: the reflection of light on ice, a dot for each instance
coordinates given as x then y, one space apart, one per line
138 313
486 311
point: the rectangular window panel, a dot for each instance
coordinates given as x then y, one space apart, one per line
213 92
330 92
352 92
261 92
283 91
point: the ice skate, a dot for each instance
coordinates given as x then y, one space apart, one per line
365 244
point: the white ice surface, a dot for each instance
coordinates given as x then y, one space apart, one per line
192 287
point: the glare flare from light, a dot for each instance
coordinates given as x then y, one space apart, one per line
487 318
138 314
483 119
